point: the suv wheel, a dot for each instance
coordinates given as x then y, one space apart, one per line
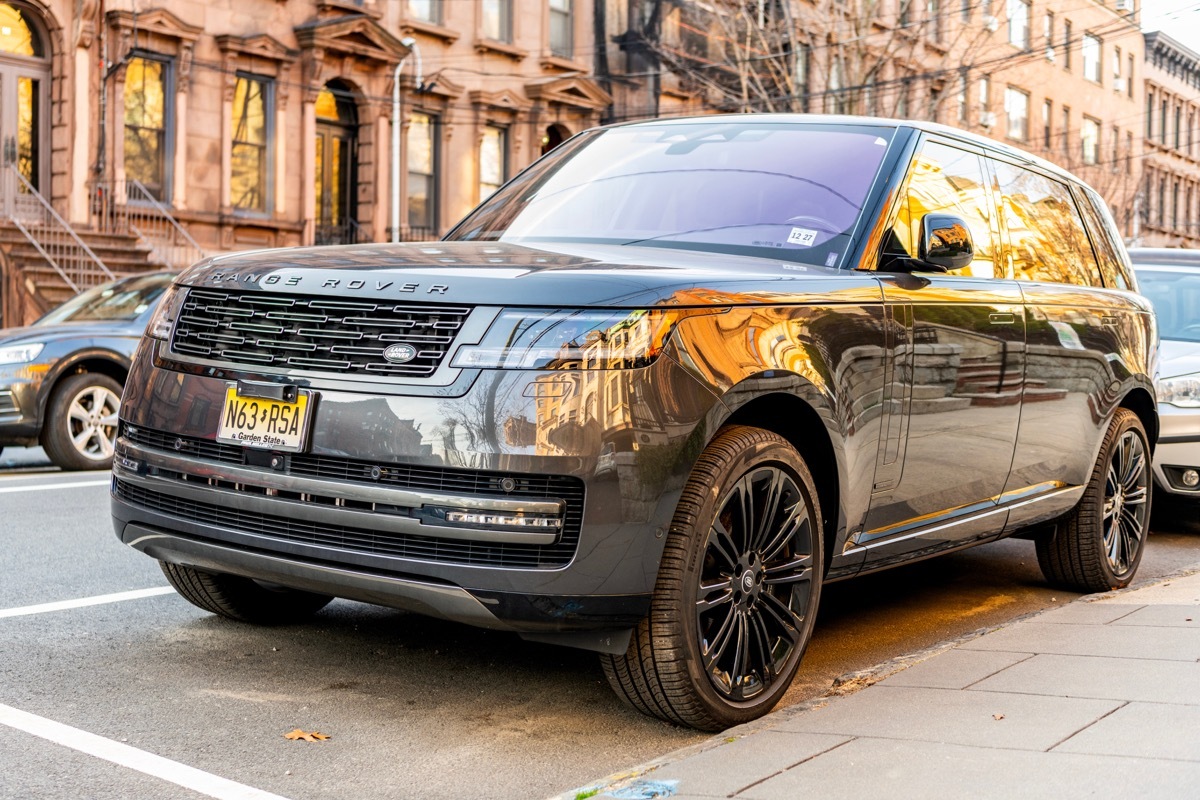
81 422
737 592
1098 547
243 599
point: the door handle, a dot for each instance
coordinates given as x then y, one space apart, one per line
1001 319
1110 321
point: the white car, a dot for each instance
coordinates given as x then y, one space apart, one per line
1171 279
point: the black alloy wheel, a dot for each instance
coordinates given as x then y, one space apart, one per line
1099 545
737 592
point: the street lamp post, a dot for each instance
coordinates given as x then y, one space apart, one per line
411 44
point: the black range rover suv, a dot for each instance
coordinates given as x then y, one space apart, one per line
653 394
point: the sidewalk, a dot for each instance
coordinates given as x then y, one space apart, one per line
1099 698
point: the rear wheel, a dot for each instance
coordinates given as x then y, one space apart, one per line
737 591
81 422
1098 547
243 599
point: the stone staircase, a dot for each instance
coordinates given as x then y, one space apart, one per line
33 287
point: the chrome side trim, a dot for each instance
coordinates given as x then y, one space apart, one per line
330 515
431 599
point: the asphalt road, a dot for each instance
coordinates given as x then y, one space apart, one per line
415 708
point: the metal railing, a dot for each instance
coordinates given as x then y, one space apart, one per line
130 208
347 231
54 238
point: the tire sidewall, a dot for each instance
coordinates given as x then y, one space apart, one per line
769 451
1118 428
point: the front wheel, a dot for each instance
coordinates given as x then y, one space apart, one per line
737 591
81 422
1098 547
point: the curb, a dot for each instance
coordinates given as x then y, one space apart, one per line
845 684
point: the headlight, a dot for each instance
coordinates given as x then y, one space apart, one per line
20 353
572 339
1183 391
163 318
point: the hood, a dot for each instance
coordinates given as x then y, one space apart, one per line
1177 358
70 330
557 274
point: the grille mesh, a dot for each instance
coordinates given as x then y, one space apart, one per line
337 335
372 542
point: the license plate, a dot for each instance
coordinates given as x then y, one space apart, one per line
266 424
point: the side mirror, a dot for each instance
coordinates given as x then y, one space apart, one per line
945 242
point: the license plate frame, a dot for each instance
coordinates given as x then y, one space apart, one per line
248 421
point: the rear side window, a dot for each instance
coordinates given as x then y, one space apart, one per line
1045 232
1108 245
947 180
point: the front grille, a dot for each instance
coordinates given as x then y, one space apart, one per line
324 334
483 483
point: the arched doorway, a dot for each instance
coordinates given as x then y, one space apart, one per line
555 135
337 166
24 105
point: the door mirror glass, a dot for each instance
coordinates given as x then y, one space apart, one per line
945 241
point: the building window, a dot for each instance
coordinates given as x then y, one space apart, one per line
905 13
1116 64
1129 76
1162 121
1091 57
962 99
422 174
1162 202
1175 206
1018 23
1047 111
1067 45
1048 32
1064 132
250 179
493 160
964 9
148 155
426 10
803 62
1016 108
561 39
1178 126
1115 166
497 19
1090 136
933 13
1191 133
985 92
1128 152
1149 113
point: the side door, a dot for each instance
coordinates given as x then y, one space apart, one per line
1075 359
957 346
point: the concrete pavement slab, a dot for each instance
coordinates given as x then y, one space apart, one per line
1168 616
983 719
1183 589
932 771
1092 640
1085 614
733 766
955 669
1145 730
1134 679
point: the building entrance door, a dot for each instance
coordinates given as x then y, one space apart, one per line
336 168
24 90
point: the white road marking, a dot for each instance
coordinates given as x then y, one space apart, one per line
96 600
40 487
122 754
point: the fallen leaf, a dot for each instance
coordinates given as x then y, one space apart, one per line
298 734
997 716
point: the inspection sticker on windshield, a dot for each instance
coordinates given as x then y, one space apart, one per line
802 236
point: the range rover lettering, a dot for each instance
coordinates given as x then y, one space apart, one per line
653 394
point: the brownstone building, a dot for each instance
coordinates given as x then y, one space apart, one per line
159 129
1171 185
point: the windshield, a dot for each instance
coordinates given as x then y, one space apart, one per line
783 190
1175 295
121 300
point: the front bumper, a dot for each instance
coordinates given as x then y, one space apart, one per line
359 514
19 387
1178 449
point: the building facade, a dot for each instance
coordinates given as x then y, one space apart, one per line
1171 183
266 123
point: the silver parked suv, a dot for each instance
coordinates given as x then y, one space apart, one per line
653 394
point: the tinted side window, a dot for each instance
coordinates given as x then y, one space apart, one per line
1108 244
948 180
1045 232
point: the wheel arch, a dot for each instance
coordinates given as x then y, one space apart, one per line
796 415
1142 403
102 362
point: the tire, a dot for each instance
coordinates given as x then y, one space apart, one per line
243 599
81 422
1099 545
734 604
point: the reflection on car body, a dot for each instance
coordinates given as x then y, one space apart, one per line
666 383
